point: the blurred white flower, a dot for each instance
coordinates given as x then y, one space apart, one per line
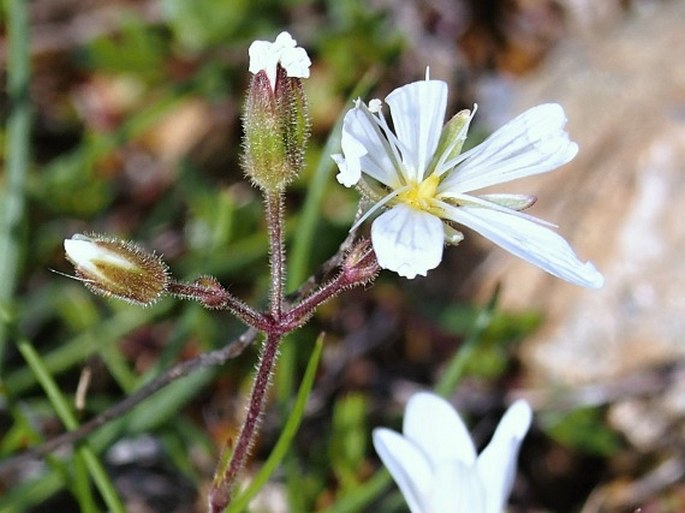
434 462
417 173
284 51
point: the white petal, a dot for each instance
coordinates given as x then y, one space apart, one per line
407 241
86 254
435 426
528 240
263 58
497 463
284 40
418 113
365 149
296 62
349 169
266 56
408 467
534 142
457 488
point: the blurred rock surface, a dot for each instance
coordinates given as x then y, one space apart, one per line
619 203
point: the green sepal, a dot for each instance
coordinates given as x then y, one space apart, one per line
264 152
513 201
452 138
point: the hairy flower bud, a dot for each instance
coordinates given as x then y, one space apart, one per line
276 117
112 267
360 264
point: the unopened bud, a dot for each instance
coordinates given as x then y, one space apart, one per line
276 117
360 264
454 134
112 267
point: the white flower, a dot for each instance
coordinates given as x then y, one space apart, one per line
284 51
434 462
418 175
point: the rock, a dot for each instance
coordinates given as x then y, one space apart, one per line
620 204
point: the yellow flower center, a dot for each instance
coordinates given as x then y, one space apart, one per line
421 196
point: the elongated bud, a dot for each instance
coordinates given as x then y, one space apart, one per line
454 133
276 117
112 267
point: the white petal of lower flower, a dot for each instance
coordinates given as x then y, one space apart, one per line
365 150
497 463
532 143
529 241
418 113
457 488
407 241
434 425
436 478
408 467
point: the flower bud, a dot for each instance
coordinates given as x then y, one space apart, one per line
111 267
360 264
454 134
276 117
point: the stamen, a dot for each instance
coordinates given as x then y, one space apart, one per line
375 106
378 205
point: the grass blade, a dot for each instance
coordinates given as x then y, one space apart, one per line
66 415
12 204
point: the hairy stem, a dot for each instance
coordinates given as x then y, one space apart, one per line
220 495
274 219
298 314
359 266
215 297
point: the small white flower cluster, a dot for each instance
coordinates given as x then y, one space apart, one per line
416 173
266 56
434 462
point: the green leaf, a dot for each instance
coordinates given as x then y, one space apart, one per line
584 429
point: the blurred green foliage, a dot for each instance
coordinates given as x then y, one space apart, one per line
493 353
583 429
349 440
